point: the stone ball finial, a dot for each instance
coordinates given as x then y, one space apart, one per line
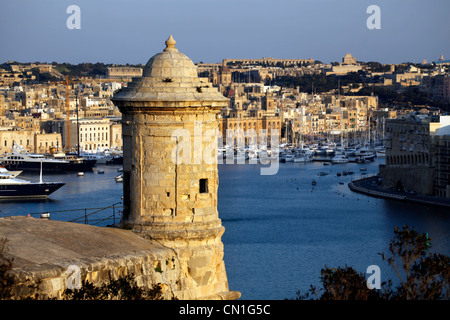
170 45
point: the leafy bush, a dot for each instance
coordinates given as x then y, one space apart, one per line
121 289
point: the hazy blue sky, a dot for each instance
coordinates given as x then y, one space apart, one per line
210 30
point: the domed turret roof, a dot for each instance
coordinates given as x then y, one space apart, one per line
170 63
169 79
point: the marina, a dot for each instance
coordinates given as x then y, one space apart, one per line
285 227
318 152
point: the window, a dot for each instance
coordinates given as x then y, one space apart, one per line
203 186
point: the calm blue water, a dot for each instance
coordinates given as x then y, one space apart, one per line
279 230
92 190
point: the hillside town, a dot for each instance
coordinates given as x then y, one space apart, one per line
46 108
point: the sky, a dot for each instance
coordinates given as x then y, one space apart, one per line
133 31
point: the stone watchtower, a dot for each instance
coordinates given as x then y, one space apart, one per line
169 119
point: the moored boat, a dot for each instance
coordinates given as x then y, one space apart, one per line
340 158
12 188
25 161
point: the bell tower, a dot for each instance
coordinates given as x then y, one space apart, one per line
170 133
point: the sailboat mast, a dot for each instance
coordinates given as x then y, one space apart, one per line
40 174
78 126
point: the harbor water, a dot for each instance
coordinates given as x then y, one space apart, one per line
280 230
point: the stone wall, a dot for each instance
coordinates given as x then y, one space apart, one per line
419 179
50 254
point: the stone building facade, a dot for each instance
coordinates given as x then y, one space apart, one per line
408 155
416 156
29 140
93 133
441 143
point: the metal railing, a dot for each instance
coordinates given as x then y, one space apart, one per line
87 214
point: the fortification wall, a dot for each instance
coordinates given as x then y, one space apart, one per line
421 181
55 255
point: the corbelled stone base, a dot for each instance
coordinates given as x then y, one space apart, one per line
44 252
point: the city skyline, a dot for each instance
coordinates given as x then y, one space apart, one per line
206 31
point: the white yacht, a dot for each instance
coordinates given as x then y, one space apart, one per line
12 188
20 159
340 158
13 174
381 151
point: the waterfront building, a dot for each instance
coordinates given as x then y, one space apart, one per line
93 133
30 140
441 88
414 151
441 143
170 117
47 142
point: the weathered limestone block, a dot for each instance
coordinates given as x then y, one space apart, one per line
44 251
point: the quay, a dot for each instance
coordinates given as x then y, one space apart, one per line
371 186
